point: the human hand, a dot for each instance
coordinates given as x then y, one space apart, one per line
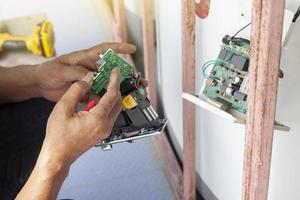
70 133
56 76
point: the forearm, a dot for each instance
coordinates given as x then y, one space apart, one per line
18 83
45 180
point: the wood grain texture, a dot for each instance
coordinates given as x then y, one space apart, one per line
267 22
161 143
120 21
120 25
188 85
149 49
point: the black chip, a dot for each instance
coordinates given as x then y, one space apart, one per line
240 62
222 54
240 96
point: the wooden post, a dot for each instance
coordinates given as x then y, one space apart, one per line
149 49
120 20
121 32
188 85
267 22
162 145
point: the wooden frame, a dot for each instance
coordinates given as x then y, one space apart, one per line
267 24
189 110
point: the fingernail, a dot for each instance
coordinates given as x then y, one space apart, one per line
88 78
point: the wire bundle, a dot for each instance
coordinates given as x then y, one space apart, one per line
214 63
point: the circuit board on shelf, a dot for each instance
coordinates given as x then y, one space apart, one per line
227 83
108 61
225 88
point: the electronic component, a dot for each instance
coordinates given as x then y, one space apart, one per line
138 119
226 39
244 85
108 61
237 80
240 62
229 91
229 72
225 88
240 96
222 54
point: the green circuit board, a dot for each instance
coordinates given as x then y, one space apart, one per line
108 61
227 81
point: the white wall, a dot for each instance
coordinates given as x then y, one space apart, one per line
169 62
75 22
220 144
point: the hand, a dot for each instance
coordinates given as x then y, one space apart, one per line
69 133
56 76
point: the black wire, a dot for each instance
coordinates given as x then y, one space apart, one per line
238 39
240 30
296 15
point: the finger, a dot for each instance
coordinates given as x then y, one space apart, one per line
75 93
202 8
89 64
109 99
93 53
73 73
116 111
280 73
144 82
123 48
114 114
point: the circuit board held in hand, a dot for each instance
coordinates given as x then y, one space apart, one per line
137 119
108 61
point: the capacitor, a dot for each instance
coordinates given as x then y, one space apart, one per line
229 91
237 80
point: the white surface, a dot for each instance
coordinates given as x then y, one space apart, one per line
75 23
208 106
128 172
203 102
169 63
220 144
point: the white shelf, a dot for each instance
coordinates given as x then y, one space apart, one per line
229 116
